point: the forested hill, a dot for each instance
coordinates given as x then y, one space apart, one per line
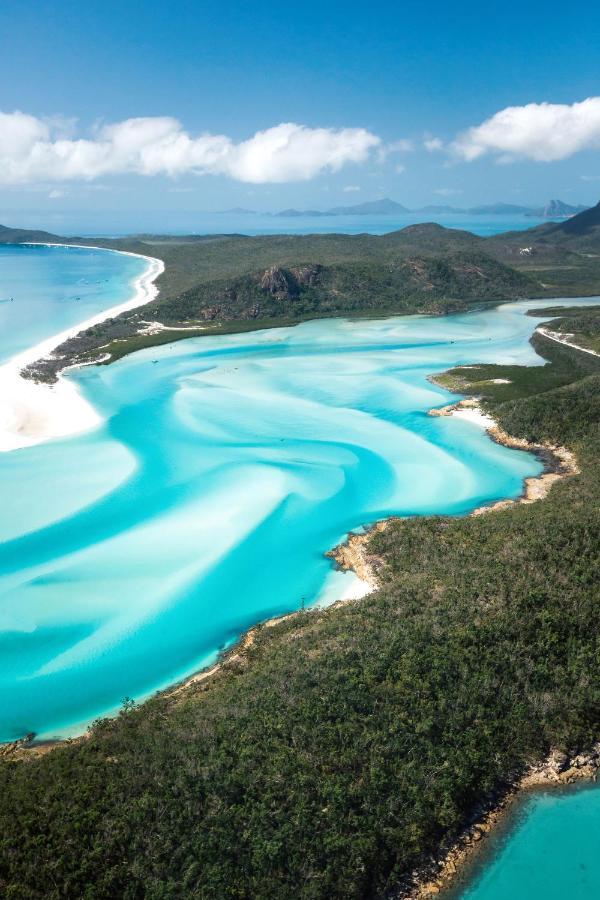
227 283
429 284
231 283
28 236
577 234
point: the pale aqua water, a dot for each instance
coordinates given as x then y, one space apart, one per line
551 852
186 222
54 288
225 468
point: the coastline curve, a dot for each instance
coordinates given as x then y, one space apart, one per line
34 412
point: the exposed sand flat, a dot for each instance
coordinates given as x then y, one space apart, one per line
32 412
468 410
151 328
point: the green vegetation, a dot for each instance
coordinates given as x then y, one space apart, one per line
224 282
564 257
344 745
438 284
523 381
580 324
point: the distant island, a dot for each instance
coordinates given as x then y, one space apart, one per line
554 209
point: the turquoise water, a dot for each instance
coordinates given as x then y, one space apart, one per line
224 470
226 467
54 288
551 852
185 222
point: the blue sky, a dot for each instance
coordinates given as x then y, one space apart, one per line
392 75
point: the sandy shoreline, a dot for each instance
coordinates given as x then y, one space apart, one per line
351 555
28 747
561 338
559 462
557 770
32 412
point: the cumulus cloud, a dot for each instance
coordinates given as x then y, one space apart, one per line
351 189
33 150
544 132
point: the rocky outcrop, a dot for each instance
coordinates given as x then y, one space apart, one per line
560 768
210 313
308 275
352 554
557 769
279 283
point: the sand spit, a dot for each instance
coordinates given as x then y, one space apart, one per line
32 412
564 338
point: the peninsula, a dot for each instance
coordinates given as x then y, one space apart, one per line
218 284
347 749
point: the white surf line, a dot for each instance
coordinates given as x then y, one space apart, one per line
32 412
555 336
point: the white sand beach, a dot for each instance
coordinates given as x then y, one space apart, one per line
31 412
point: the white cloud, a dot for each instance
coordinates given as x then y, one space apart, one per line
56 195
400 169
33 150
351 189
447 192
433 144
544 132
590 177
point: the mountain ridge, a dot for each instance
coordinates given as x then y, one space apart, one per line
385 206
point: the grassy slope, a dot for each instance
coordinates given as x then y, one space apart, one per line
348 742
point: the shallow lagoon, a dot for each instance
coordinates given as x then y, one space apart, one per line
45 290
225 469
